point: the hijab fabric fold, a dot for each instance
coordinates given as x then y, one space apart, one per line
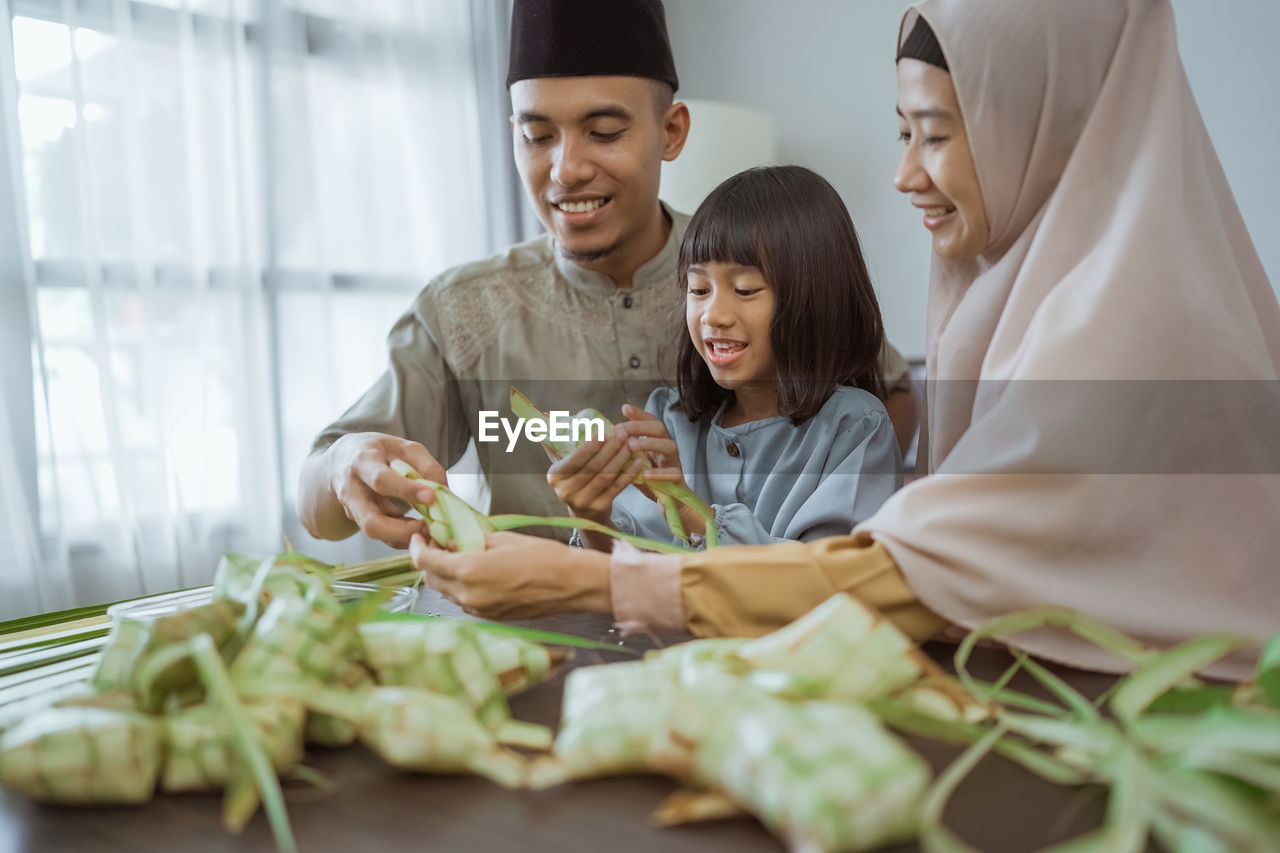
1104 430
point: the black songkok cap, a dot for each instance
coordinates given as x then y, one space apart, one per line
923 45
590 38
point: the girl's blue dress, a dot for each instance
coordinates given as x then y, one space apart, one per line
769 481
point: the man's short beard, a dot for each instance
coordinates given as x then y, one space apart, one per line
586 256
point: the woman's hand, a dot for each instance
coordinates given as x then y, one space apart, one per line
589 478
517 577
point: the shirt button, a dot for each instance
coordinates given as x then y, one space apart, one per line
733 450
635 361
627 302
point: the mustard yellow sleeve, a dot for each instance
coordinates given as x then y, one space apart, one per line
747 591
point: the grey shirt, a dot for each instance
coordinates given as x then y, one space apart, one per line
769 480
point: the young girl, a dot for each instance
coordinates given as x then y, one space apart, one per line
776 420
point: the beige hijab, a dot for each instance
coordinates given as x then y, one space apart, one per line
1103 423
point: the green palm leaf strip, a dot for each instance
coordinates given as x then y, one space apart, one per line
452 521
536 635
515 522
669 495
1165 671
255 764
1268 675
255 761
934 837
1196 766
1090 629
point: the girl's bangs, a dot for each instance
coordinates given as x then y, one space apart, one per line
724 230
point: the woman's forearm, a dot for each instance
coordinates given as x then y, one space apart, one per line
751 590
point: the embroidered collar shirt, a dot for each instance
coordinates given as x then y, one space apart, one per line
526 317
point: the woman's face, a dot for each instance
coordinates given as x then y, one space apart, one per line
937 168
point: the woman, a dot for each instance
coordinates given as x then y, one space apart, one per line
1103 351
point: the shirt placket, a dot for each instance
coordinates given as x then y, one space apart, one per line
731 458
636 352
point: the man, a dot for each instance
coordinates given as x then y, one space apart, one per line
580 317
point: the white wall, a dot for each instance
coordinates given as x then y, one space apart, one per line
824 70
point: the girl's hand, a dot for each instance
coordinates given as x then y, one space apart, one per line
646 434
589 479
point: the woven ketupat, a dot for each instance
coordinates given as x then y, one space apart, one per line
82 756
821 775
853 651
200 754
722 651
132 640
234 577
516 662
647 715
706 695
301 637
309 638
444 656
243 578
115 661
417 729
613 719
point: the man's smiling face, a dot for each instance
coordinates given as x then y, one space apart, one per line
589 151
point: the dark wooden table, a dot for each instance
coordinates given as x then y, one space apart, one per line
1000 807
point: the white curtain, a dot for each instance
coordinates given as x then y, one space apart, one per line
218 207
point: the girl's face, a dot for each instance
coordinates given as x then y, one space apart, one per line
729 308
937 167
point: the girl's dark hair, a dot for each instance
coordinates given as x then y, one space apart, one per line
790 224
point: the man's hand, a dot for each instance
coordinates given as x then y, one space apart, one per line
517 577
351 486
